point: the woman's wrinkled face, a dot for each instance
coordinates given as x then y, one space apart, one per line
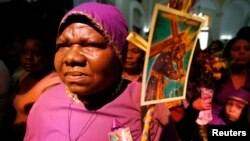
84 61
240 52
33 57
134 57
233 110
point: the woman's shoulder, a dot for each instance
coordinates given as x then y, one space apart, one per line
132 91
48 97
135 84
59 88
50 80
134 87
51 77
55 92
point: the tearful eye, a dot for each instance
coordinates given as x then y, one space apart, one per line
60 46
96 45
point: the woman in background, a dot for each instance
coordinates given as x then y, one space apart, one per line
133 66
237 52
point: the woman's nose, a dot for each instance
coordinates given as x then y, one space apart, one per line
75 57
129 54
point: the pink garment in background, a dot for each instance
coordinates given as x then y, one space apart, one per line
21 100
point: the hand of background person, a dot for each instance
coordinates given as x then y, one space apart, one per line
202 104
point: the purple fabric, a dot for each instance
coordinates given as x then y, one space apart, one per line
241 95
54 116
220 99
50 117
108 19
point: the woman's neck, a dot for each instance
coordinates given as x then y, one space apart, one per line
132 74
131 77
95 101
239 78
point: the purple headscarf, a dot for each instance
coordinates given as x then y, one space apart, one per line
108 19
242 95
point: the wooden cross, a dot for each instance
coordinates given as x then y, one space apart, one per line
168 44
161 67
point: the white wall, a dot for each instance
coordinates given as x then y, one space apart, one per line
226 16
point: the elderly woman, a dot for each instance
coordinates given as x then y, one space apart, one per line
93 98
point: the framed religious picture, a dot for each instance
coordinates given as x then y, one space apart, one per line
172 39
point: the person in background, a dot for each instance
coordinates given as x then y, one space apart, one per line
37 60
235 112
93 101
186 114
244 32
5 81
237 52
133 66
216 46
12 56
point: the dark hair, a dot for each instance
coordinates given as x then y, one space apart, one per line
243 119
219 43
228 47
45 43
244 32
212 49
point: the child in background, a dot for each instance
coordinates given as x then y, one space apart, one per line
235 112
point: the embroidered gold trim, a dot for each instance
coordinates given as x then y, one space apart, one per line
74 97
